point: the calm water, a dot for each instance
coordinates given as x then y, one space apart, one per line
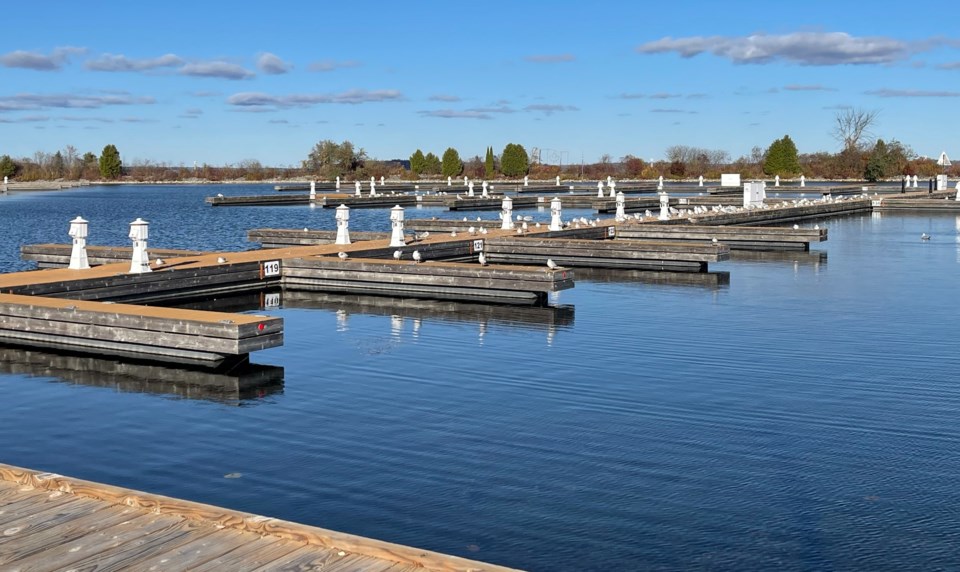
804 417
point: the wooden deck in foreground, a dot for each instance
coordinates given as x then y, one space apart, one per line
50 522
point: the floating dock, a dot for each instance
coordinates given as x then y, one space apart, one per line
53 522
736 237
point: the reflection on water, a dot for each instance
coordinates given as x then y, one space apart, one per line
710 280
242 384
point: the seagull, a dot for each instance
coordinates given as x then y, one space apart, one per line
304 229
519 231
528 218
519 218
397 254
421 235
478 219
482 259
343 255
159 262
714 240
464 219
416 256
924 236
219 195
551 263
472 230
816 227
796 227
221 260
483 230
537 225
453 233
459 198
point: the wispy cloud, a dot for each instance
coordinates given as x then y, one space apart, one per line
192 113
550 58
453 114
446 98
949 66
804 48
661 95
549 109
272 64
206 93
499 107
671 110
911 93
53 61
351 97
217 69
279 121
330 65
813 87
121 63
32 101
26 119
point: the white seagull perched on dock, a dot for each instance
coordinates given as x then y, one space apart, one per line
796 227
551 264
219 195
221 260
343 255
472 230
416 256
482 259
159 262
397 254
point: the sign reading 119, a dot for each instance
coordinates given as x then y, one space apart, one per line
271 268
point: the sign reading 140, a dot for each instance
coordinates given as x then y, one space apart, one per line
271 268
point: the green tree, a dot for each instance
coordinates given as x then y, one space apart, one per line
110 164
514 162
488 166
57 165
7 167
431 164
781 158
878 163
418 163
452 165
329 160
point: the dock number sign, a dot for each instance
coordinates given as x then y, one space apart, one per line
478 245
271 268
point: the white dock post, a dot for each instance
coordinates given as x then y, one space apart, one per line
613 188
700 181
915 180
958 192
78 256
526 181
449 181
338 182
313 190
599 189
507 207
556 209
396 222
343 225
664 207
470 189
803 181
139 232
356 185
381 180
4 183
660 183
621 204
373 187
558 180
776 181
484 193
609 179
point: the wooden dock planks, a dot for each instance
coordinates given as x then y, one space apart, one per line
736 237
52 522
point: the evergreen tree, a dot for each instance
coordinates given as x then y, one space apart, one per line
488 167
514 162
417 162
110 165
878 163
431 164
452 165
781 158
7 167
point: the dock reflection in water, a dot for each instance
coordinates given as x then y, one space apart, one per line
243 385
708 280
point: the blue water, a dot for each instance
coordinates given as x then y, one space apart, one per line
804 417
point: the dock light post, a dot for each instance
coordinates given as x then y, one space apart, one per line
78 256
526 181
396 222
613 187
507 207
338 182
958 192
664 207
609 180
599 189
556 208
470 189
343 225
4 184
449 181
621 210
356 185
139 231
803 181
701 181
484 192
373 187
660 183
915 181
313 190
381 180
465 179
776 181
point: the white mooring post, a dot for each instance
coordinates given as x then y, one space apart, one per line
449 181
484 192
356 185
465 179
613 188
139 232
915 180
343 225
958 191
313 190
700 181
373 181
381 180
599 189
664 207
556 209
338 182
621 211
470 189
373 187
78 256
507 207
526 181
776 181
4 184
396 222
660 183
558 180
803 181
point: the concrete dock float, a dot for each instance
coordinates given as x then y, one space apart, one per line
53 522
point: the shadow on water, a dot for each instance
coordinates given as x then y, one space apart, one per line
708 280
241 385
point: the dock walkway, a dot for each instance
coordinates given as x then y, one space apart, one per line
50 522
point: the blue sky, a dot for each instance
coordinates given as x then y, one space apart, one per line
220 83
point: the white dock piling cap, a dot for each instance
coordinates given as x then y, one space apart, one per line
343 212
78 228
396 213
139 229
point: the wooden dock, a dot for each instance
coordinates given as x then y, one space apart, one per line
280 237
736 237
58 255
52 522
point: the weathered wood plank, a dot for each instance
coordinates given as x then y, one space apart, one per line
257 552
46 534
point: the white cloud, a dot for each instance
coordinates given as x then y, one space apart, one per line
453 114
550 58
352 97
219 69
121 63
31 101
330 65
911 93
40 62
271 64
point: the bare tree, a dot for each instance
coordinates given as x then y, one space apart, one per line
852 128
